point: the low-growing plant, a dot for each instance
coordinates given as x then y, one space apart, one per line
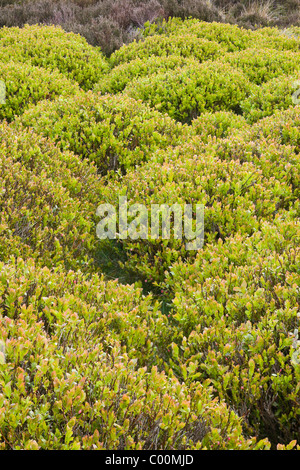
229 36
237 194
52 48
48 201
283 126
235 322
217 125
261 65
120 76
276 94
71 385
163 46
212 86
115 132
26 85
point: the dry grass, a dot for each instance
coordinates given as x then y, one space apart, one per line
267 11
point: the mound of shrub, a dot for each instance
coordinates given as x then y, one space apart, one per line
279 93
26 85
274 161
120 76
217 125
163 46
230 37
71 385
261 65
112 131
212 86
235 322
275 38
249 176
236 193
52 48
283 126
48 201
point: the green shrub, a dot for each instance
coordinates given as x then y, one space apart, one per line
243 179
232 37
66 383
121 75
163 46
283 126
270 157
229 36
112 131
216 125
97 303
236 322
212 86
27 85
52 48
275 39
264 100
261 65
48 201
237 195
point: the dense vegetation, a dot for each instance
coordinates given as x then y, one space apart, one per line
142 344
110 24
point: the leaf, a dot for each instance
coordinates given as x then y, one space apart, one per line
175 350
251 364
2 358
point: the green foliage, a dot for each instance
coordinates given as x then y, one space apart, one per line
26 85
52 48
163 46
211 86
48 201
112 131
283 126
279 93
71 384
230 37
275 38
217 125
143 343
240 328
239 183
261 65
121 75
